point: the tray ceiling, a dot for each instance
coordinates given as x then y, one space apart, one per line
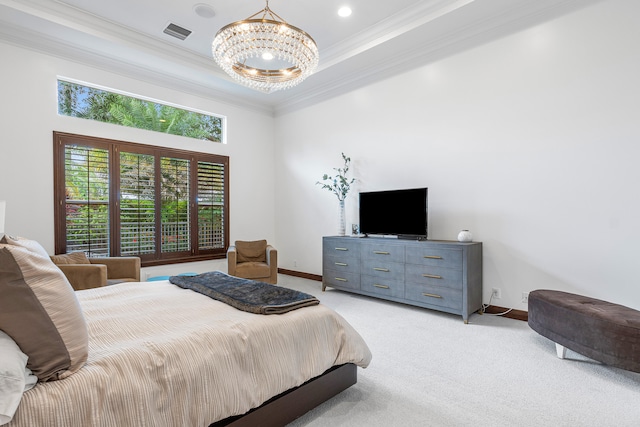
379 39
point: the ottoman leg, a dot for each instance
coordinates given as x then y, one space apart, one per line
560 351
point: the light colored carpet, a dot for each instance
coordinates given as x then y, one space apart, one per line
430 369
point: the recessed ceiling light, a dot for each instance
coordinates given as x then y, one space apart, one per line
344 11
204 10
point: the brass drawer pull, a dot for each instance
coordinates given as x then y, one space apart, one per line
342 264
342 249
431 295
432 257
340 279
432 276
381 286
381 253
386 270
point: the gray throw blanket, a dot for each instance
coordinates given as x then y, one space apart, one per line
246 295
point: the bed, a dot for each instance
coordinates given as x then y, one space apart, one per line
160 355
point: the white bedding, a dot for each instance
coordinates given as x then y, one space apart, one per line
160 355
15 377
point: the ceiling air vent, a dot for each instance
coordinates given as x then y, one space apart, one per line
177 31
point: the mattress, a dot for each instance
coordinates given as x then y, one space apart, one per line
160 355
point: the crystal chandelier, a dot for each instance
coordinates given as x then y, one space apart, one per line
265 53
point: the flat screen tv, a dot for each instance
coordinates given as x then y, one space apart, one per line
401 213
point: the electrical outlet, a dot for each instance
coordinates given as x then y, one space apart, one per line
495 292
525 297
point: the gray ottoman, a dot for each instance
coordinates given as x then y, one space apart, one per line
600 330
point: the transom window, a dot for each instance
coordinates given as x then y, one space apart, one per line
78 100
116 198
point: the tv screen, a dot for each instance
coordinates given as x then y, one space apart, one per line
402 213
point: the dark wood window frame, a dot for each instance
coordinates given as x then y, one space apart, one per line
197 162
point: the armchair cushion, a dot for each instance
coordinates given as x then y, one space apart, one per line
253 270
72 258
85 276
251 251
121 269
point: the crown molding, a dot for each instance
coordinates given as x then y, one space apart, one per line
137 72
399 59
391 27
85 24
193 78
419 35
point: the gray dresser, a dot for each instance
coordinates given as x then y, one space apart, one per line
436 274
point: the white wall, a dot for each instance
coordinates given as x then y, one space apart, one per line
531 142
29 116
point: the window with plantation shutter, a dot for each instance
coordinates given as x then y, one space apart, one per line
211 203
137 204
86 204
115 198
174 188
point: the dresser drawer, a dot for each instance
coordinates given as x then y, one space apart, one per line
344 262
341 279
383 269
433 276
383 251
341 246
381 286
435 295
450 258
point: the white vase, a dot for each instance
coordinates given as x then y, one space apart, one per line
465 236
341 223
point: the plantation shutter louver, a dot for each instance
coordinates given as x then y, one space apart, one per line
174 190
137 204
211 202
87 200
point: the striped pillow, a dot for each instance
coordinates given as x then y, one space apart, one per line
40 311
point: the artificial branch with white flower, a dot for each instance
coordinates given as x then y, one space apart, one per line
340 184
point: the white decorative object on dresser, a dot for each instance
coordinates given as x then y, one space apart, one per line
465 236
436 274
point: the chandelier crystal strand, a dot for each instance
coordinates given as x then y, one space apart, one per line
238 45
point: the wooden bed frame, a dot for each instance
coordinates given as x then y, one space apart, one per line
292 404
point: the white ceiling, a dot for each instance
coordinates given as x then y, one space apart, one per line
380 39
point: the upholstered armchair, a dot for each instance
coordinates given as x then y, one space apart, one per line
255 260
87 273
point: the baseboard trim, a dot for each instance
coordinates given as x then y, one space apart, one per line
492 309
513 314
316 277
